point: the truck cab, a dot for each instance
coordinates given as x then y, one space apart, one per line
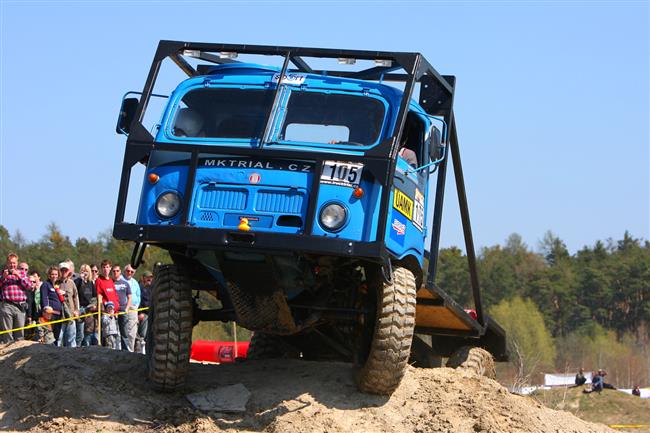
314 114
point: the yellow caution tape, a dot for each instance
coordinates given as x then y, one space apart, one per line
36 325
628 425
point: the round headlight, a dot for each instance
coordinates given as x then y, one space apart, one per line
168 204
333 216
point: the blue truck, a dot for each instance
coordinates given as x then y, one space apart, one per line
307 199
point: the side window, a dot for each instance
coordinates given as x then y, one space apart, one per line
412 141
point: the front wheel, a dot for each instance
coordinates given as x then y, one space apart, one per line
170 329
393 333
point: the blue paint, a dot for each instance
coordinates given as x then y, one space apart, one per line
274 193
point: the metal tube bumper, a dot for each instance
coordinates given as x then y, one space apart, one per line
204 238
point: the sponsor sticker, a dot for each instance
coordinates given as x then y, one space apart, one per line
403 203
341 173
398 227
295 79
418 210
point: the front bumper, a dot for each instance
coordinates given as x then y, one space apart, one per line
218 239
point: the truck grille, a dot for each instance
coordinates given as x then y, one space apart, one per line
284 202
222 198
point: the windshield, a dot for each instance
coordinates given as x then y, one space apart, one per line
311 117
332 118
224 113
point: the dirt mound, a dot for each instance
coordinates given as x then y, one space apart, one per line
48 389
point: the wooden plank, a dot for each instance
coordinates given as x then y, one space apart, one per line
429 316
425 294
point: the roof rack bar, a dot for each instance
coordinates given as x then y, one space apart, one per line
374 73
301 64
209 57
182 63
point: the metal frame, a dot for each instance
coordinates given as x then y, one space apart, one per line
436 97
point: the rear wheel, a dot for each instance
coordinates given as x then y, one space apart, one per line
268 346
393 333
170 329
474 359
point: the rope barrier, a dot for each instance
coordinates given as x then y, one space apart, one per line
36 325
628 425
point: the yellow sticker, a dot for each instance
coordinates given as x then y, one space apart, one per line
403 203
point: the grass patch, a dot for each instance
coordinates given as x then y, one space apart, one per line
608 407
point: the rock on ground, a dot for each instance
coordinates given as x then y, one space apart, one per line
93 389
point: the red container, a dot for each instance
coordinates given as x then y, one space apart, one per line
218 351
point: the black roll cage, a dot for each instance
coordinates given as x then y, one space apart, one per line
436 97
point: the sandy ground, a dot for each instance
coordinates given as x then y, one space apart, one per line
93 390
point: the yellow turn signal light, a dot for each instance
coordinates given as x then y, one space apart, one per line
153 178
243 225
358 192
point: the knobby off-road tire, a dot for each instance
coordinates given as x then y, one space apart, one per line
391 341
267 346
170 329
474 359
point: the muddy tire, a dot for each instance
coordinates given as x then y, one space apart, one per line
170 329
474 359
422 355
393 333
267 346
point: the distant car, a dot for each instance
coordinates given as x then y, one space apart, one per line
218 351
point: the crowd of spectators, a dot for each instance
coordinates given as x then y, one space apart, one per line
27 299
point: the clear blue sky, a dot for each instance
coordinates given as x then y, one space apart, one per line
552 102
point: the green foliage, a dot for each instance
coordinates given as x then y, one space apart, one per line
594 347
608 284
217 331
530 344
607 407
453 275
54 247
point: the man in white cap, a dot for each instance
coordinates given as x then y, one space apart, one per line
68 336
131 326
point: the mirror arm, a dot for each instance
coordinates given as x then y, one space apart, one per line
435 163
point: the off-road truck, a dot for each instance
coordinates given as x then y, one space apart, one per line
299 195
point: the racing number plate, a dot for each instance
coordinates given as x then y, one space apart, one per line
341 173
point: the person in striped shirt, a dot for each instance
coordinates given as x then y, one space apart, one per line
13 284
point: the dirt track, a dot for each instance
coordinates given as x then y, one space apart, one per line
48 389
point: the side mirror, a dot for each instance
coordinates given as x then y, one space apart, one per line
436 148
127 114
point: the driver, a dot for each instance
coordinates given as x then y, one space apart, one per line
188 123
405 153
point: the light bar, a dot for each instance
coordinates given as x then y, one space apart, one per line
228 55
346 61
384 62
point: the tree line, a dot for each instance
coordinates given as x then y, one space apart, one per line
606 284
561 310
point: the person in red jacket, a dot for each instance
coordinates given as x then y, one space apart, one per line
105 285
